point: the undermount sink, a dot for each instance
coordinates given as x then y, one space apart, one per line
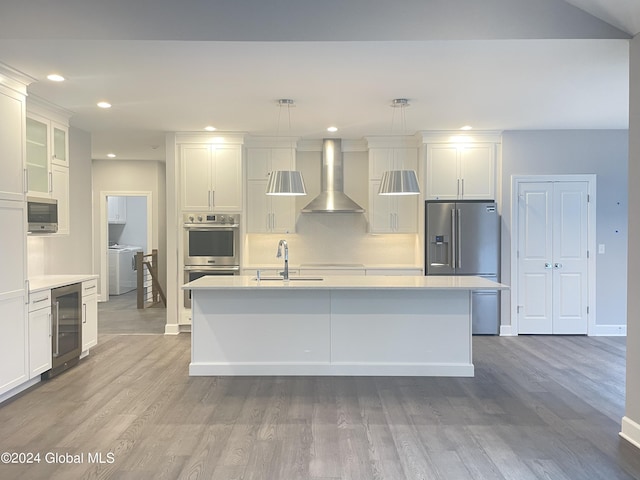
292 279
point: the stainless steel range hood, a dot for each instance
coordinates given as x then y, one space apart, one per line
332 198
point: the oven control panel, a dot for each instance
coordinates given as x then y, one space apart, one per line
211 218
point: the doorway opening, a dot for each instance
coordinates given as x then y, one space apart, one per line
126 229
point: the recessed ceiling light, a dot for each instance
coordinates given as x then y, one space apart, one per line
209 128
54 77
111 155
466 127
104 104
332 129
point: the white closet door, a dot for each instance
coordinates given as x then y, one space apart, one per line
552 258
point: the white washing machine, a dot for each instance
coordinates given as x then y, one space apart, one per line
122 269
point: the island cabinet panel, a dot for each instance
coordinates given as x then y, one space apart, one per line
397 328
235 331
405 326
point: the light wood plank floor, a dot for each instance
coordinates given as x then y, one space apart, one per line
538 408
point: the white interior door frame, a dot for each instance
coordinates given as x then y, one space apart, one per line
590 179
103 281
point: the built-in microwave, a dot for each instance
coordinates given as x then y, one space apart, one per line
42 215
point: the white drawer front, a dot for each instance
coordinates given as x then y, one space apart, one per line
40 299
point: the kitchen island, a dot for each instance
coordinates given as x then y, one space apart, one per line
342 325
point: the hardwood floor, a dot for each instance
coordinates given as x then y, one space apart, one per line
120 316
538 408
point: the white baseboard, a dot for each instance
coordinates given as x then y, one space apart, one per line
609 331
630 431
171 329
19 388
507 331
598 331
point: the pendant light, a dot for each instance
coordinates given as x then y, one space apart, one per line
286 182
399 182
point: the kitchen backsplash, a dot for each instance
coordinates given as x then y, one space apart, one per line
333 238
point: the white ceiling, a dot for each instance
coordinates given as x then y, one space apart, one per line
173 72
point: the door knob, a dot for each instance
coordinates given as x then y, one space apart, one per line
558 265
547 265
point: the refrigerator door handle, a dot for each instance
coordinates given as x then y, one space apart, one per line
458 241
454 238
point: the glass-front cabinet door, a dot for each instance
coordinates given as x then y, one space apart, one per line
60 145
38 157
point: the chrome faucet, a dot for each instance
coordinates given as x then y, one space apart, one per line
285 273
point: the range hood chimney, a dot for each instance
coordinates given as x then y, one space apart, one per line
332 198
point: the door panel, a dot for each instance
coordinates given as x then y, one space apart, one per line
534 258
570 258
439 244
478 239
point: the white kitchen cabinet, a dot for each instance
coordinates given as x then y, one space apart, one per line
269 213
60 144
40 358
89 314
12 137
392 158
391 213
211 177
14 334
460 172
47 159
117 210
60 191
38 161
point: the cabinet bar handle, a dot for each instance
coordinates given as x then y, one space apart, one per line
57 352
43 299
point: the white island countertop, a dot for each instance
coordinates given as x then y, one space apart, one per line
344 282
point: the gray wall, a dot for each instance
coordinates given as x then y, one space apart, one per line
601 152
633 320
134 231
72 253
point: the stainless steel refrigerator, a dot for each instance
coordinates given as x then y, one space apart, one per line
463 238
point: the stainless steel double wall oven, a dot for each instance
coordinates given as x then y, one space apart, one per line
211 246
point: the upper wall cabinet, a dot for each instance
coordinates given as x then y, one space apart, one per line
390 213
47 158
211 177
462 168
269 214
117 210
12 111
